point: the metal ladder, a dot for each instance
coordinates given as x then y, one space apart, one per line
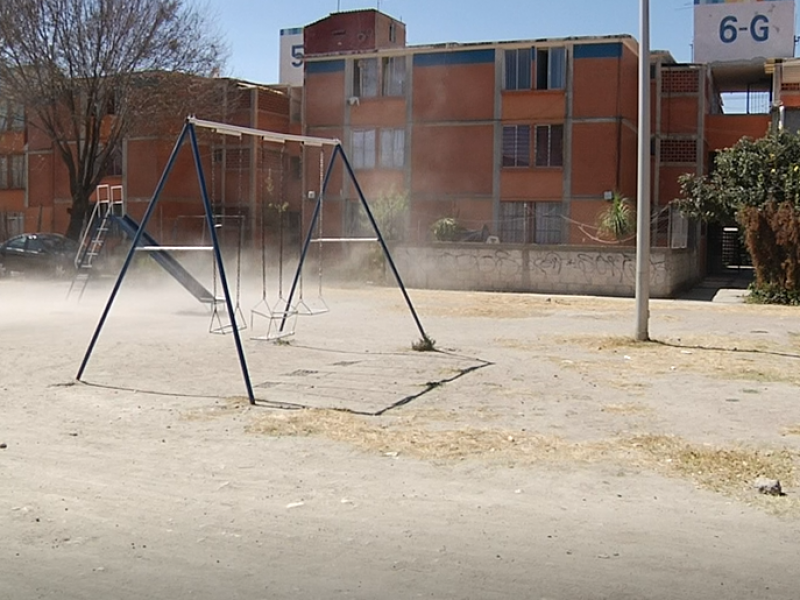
109 199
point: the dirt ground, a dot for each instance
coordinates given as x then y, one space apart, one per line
539 454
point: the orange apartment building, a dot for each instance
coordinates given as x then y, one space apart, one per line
34 187
528 138
525 140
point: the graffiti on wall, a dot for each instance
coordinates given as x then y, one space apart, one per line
498 268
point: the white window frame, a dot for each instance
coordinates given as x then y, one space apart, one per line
366 77
393 148
528 222
550 160
364 150
513 148
393 76
554 60
518 74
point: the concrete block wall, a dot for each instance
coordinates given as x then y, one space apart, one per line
543 269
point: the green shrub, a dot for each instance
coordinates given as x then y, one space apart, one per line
773 294
446 229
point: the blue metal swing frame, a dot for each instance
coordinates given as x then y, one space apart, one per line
339 152
189 132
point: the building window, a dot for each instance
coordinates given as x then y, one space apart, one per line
514 225
12 116
115 162
518 69
517 146
373 77
549 145
547 222
393 32
394 75
364 149
12 172
531 222
365 81
11 224
551 68
393 148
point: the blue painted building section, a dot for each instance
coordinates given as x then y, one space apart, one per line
602 50
326 66
450 58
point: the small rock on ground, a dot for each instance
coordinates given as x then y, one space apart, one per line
769 487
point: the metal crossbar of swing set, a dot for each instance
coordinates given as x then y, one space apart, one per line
174 248
346 240
267 136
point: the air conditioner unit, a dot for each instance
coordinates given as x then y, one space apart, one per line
353 101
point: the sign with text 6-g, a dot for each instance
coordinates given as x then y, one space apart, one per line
291 67
743 30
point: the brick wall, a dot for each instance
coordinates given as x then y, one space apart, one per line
679 81
678 151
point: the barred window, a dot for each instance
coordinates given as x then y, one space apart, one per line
517 146
549 145
547 222
531 222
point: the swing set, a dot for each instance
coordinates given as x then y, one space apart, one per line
279 313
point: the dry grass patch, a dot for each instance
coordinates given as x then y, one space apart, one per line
729 471
407 437
654 358
222 408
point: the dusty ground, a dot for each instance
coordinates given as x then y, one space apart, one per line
540 455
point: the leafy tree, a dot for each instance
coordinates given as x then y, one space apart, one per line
89 72
756 183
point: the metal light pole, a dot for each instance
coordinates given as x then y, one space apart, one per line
643 188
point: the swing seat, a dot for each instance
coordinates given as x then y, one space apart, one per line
305 310
218 327
263 309
277 320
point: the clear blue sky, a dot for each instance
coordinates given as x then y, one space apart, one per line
252 27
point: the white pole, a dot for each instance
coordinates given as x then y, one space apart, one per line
643 191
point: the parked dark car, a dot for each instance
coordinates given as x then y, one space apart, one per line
40 253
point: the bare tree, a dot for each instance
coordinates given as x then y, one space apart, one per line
89 72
